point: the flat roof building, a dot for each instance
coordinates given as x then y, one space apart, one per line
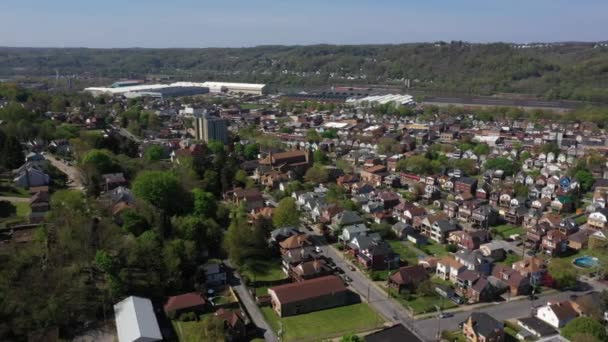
209 128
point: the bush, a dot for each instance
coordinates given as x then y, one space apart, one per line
451 248
188 317
7 209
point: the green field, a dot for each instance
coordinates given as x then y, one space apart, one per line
264 270
328 323
7 189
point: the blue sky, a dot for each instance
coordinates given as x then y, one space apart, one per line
235 23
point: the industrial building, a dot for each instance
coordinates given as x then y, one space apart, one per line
168 92
404 100
121 88
209 128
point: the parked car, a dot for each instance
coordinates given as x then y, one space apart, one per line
348 279
338 270
457 299
446 315
318 249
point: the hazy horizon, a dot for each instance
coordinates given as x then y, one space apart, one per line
239 23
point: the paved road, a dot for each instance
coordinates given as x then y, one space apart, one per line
253 309
127 134
390 309
73 173
502 311
14 199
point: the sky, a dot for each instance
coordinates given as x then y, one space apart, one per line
241 23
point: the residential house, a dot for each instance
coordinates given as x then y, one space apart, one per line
470 240
297 161
407 278
580 239
466 185
474 260
251 197
296 242
309 270
439 230
517 283
555 242
352 231
556 315
110 181
533 267
598 219
449 269
235 327
309 295
31 177
185 303
396 333
215 274
481 327
374 175
345 218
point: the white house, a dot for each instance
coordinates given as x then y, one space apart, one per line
556 314
136 321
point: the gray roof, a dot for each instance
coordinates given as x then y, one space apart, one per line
484 324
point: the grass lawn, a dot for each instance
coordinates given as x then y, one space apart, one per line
404 252
419 305
261 291
434 249
251 106
507 230
189 331
264 270
23 209
315 326
453 336
7 189
511 258
581 219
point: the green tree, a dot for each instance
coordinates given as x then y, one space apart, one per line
320 157
313 136
388 146
482 149
242 243
251 151
584 325
317 174
161 189
416 164
133 223
563 273
286 213
215 146
585 179
154 153
12 153
99 160
501 163
205 204
7 209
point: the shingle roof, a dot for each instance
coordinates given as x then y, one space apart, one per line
184 301
484 324
296 292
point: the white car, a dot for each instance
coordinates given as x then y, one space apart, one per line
318 249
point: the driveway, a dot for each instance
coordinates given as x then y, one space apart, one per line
74 174
252 308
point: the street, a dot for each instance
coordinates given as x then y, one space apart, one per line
515 309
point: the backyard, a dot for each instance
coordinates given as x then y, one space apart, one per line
189 331
21 214
507 230
315 326
434 249
406 254
264 271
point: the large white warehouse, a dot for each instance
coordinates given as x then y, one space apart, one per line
214 87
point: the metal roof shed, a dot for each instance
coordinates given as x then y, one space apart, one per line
135 320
